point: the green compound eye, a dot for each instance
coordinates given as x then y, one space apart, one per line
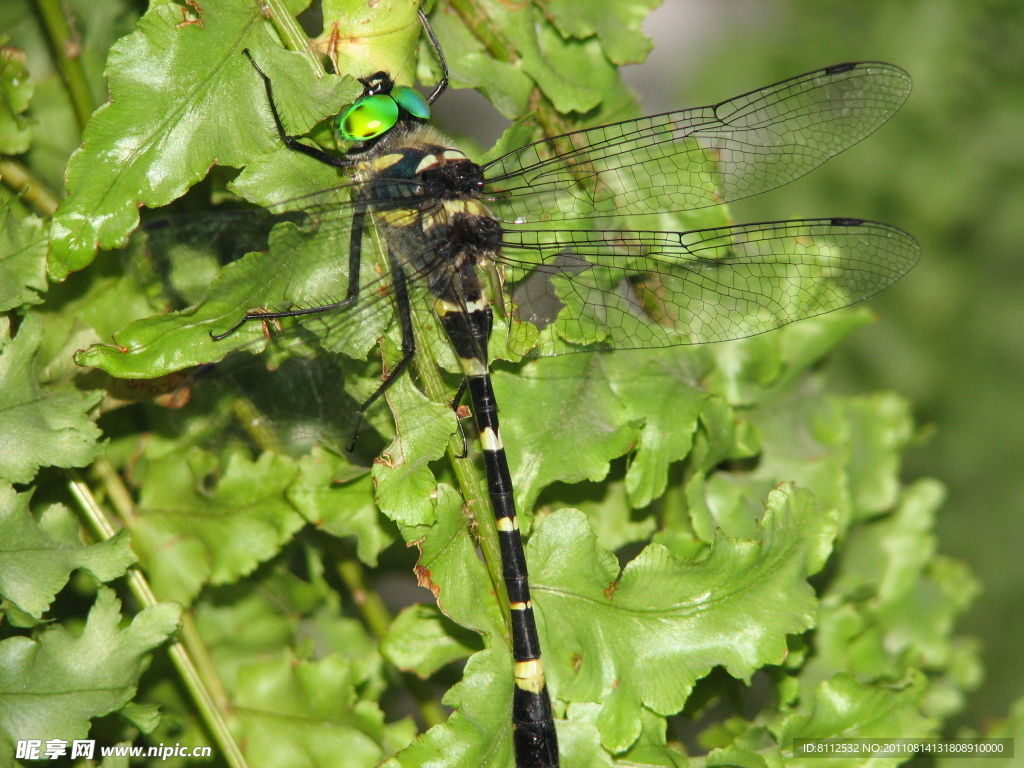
368 118
411 101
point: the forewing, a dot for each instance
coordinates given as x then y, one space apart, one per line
698 157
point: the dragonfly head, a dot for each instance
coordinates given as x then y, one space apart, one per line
381 107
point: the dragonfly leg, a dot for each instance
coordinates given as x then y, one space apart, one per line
455 407
351 294
442 85
404 312
292 142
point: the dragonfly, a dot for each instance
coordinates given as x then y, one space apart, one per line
453 230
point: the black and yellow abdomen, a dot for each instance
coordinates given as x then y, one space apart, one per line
425 203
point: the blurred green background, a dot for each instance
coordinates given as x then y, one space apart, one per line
949 168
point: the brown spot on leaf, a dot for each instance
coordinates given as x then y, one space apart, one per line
423 579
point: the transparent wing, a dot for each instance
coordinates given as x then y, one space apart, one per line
614 289
308 267
698 157
236 229
295 260
302 379
611 289
681 281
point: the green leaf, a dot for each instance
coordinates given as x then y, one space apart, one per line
449 568
339 498
297 714
657 388
752 371
22 259
504 83
522 51
145 717
388 33
406 489
607 509
248 622
188 533
76 316
846 450
735 757
651 748
880 427
617 24
422 640
299 269
53 684
573 74
169 120
844 708
893 603
888 556
116 760
42 425
733 609
481 699
581 429
16 90
38 556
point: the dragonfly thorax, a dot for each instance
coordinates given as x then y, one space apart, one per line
411 165
452 175
425 199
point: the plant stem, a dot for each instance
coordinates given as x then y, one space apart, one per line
67 48
255 424
471 481
118 494
375 613
378 619
291 32
34 193
188 654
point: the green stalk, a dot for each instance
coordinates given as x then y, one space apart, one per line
369 603
472 482
378 619
67 48
188 654
291 32
34 193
